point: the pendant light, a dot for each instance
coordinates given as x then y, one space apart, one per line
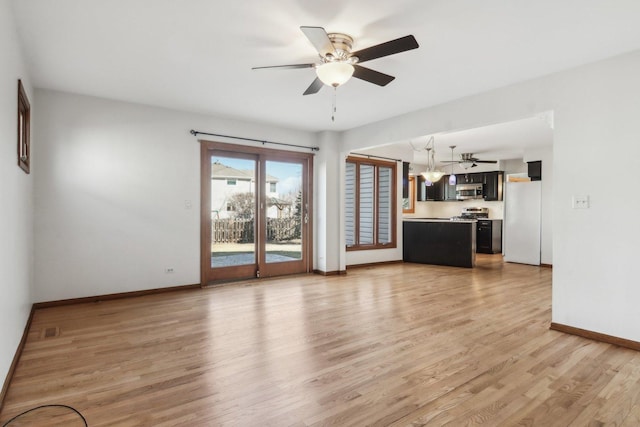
431 174
452 177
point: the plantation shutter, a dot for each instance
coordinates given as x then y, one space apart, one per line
384 205
367 203
350 205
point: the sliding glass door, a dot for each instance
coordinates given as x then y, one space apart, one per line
233 214
286 217
255 212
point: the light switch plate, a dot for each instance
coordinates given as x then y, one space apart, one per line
580 202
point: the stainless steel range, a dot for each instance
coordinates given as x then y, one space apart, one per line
472 213
475 213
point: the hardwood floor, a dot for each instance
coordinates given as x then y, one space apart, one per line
400 344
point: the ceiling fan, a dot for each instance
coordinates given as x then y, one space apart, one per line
468 161
337 62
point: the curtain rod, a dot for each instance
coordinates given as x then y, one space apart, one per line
377 157
196 133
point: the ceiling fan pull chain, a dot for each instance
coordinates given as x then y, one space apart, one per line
333 108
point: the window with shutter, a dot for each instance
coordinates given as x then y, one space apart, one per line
370 204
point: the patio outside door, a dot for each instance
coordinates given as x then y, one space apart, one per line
255 212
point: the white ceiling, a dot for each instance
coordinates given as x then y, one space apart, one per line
196 55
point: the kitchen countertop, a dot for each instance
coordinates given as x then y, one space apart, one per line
439 220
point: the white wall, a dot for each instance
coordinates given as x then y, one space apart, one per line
327 205
110 212
16 198
596 111
595 251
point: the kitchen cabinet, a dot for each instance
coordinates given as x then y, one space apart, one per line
471 178
489 236
493 185
434 192
421 190
440 242
449 190
534 170
405 180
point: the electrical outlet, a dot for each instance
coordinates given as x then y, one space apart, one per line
168 270
580 202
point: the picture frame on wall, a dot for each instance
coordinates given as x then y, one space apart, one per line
24 126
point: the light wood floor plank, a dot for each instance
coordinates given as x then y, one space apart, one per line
401 344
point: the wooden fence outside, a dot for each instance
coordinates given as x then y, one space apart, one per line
235 230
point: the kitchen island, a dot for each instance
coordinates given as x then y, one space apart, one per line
439 241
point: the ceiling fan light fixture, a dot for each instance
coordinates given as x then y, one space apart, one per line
334 73
466 164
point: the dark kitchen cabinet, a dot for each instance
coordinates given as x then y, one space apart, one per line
471 178
421 191
489 236
534 170
436 191
449 190
433 192
439 242
405 180
493 185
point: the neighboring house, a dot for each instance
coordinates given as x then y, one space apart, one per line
227 182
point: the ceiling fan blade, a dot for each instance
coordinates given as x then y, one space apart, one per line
314 88
292 66
485 161
319 39
388 48
372 76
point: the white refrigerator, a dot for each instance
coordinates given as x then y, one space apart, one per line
522 222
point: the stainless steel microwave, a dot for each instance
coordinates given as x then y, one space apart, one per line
468 191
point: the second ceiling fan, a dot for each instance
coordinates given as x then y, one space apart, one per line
337 62
467 160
